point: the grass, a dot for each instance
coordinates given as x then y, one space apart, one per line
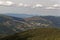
36 34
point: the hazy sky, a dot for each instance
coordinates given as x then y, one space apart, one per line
42 7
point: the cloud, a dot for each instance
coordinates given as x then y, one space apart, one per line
20 4
37 5
56 5
1 2
6 3
50 8
23 5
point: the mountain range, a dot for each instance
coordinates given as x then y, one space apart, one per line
12 24
38 25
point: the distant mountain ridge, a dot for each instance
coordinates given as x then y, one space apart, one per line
15 24
10 24
54 19
19 15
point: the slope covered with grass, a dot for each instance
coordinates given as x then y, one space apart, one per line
36 34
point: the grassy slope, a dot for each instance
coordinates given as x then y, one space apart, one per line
36 34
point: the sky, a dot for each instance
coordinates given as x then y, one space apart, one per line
37 7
